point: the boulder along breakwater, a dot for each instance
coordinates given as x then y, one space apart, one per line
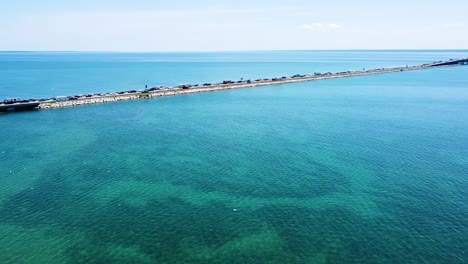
10 105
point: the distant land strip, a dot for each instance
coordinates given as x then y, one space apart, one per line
15 104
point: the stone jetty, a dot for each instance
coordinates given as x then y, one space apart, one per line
225 85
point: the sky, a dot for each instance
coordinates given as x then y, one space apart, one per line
237 25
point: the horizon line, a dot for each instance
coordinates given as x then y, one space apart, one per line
218 51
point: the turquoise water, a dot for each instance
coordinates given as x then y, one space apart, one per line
360 170
40 75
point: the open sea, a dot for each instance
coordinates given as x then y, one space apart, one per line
370 169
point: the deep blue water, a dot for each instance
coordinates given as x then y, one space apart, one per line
359 170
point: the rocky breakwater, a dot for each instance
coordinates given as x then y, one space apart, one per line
87 101
191 89
140 96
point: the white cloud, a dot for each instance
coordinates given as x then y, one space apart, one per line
219 29
321 26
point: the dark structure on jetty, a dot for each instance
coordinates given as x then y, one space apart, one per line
18 107
16 104
451 62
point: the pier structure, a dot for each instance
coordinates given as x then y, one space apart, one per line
11 105
451 63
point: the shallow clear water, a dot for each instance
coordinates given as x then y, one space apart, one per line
360 170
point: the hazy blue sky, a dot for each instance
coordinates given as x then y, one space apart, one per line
209 25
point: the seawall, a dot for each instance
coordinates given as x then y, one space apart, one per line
215 87
139 95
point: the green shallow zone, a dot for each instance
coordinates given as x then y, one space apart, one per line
127 224
106 198
24 157
24 245
169 228
104 211
119 207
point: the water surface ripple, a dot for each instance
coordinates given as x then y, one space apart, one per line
362 170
